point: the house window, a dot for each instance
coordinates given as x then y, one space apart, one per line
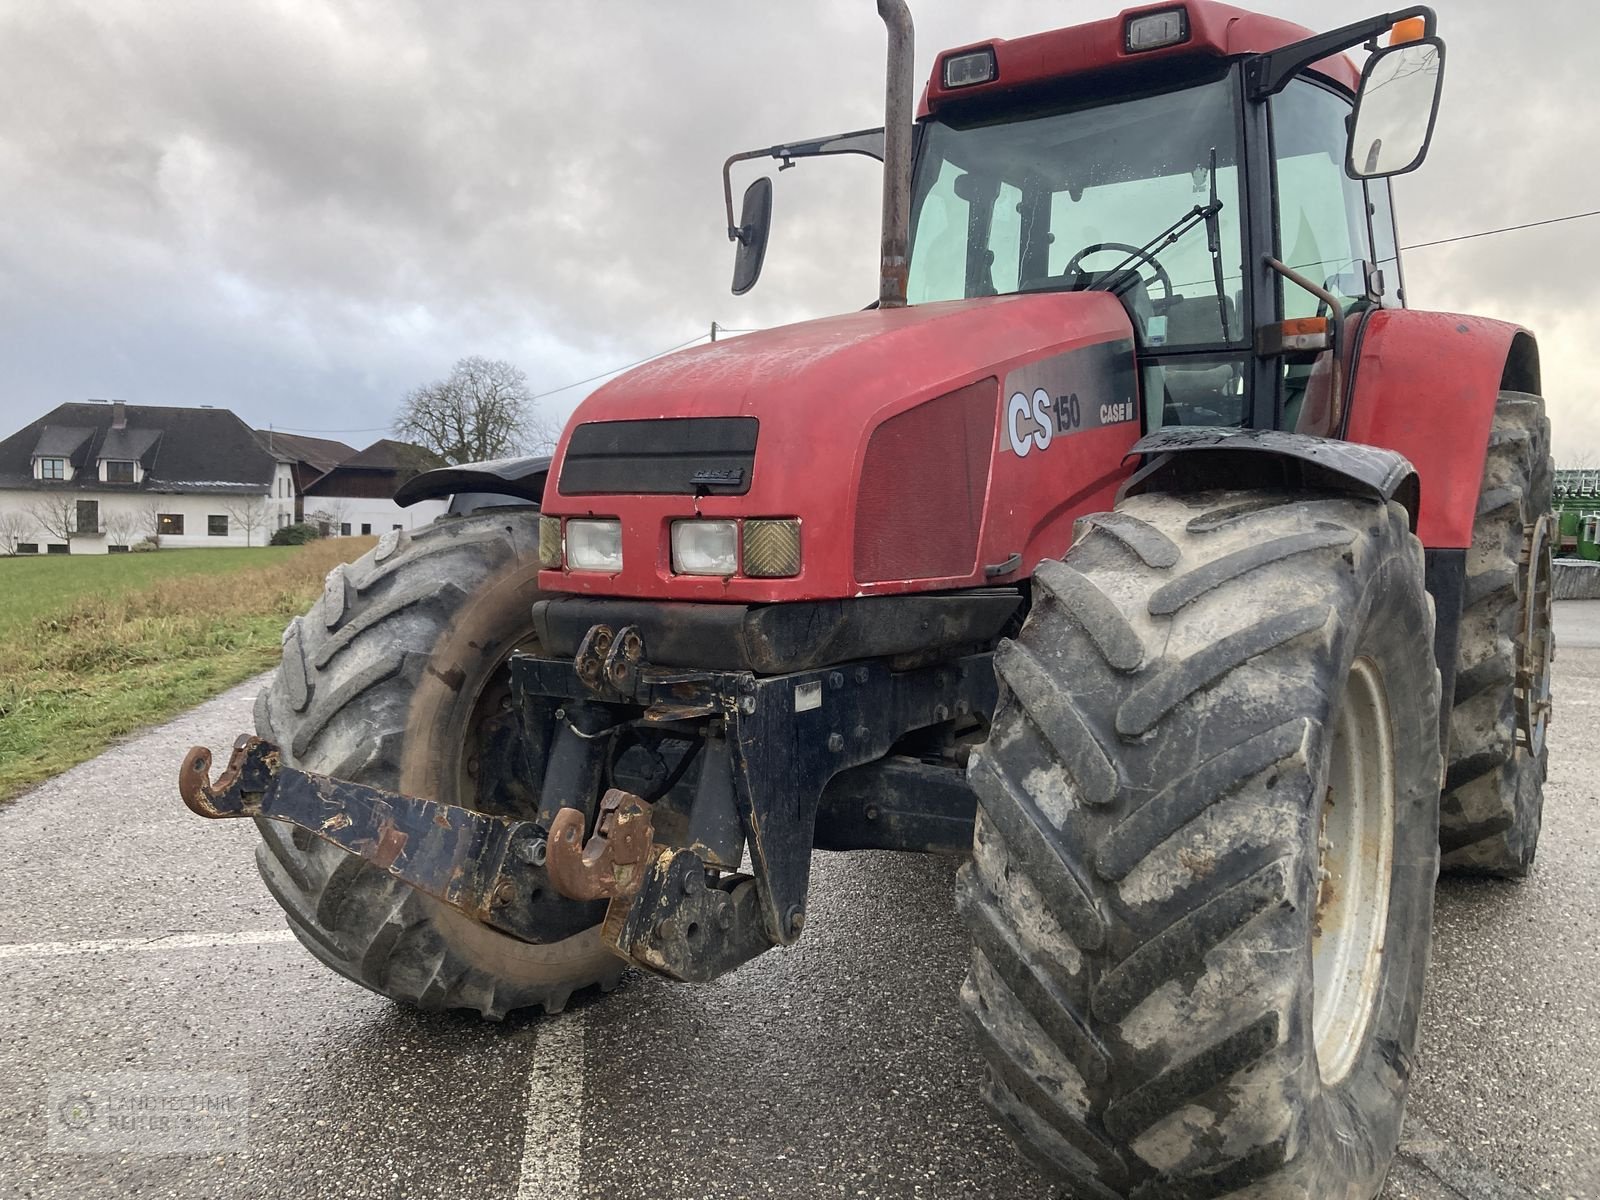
27 547
170 523
344 529
365 529
119 470
56 548
116 549
52 468
217 526
88 516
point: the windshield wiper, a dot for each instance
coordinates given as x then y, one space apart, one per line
1200 213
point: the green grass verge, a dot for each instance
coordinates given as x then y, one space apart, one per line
32 586
102 655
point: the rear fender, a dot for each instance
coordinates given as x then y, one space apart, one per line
1425 385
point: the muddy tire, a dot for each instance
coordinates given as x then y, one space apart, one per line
1494 784
384 681
1172 998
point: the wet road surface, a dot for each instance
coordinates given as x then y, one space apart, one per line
135 937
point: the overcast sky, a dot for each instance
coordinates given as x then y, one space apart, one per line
299 210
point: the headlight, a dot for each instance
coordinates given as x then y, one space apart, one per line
594 545
549 541
701 547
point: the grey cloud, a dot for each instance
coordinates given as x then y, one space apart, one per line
302 209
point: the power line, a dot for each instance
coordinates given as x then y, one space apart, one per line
541 395
1504 229
288 429
637 362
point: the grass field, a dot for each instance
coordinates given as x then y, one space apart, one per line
34 585
92 649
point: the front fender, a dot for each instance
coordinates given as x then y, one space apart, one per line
519 478
1183 459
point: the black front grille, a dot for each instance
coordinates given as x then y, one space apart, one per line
675 456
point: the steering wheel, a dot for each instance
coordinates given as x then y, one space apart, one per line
1138 254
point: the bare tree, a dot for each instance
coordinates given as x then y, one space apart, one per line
480 410
329 514
149 517
57 515
124 527
249 513
15 526
541 433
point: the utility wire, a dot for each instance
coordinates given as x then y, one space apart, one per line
541 395
636 362
1504 229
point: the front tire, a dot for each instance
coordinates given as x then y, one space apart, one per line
1202 887
388 680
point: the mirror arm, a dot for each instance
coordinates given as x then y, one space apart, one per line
1268 74
862 141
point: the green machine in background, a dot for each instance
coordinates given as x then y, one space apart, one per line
1577 507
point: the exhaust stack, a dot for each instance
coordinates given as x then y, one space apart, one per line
894 262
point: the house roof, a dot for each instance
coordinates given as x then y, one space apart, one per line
181 449
320 454
129 443
394 461
61 441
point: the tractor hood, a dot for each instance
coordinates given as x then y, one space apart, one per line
881 431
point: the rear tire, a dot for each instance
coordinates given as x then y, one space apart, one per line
382 682
1494 785
1171 1000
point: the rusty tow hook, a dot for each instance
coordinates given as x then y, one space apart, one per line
613 863
201 795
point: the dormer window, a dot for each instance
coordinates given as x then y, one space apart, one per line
119 470
52 468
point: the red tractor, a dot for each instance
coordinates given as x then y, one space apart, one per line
1155 554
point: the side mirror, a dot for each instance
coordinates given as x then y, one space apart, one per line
1395 109
755 221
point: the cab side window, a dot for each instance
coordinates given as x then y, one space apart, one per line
1322 212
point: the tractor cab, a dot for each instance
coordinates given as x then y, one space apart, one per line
1224 174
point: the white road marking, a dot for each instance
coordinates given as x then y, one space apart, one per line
552 1134
164 941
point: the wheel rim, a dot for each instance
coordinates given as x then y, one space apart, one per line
1355 861
1535 643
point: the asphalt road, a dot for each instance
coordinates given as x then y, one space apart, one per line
135 937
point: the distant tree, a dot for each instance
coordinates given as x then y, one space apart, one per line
15 526
123 527
57 515
248 513
329 515
480 410
542 433
149 518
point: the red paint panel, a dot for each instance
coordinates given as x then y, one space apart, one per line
821 390
1215 31
1425 385
923 485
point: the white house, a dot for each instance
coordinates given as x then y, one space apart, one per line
99 477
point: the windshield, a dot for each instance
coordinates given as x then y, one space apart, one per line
1022 204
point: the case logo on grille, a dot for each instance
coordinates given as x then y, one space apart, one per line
719 477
